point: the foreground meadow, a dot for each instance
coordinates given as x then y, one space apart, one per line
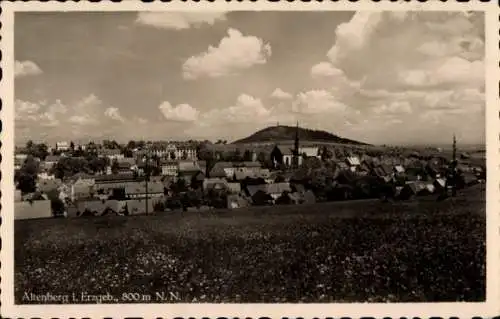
344 252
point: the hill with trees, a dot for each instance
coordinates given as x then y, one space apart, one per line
287 133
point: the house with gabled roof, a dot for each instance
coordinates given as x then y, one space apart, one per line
276 189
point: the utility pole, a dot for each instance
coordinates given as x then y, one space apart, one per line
454 168
147 179
295 161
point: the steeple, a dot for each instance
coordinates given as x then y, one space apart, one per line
454 168
454 148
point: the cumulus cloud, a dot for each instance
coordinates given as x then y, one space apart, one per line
247 109
395 107
26 68
114 114
39 113
234 53
179 113
141 120
86 111
445 49
179 20
325 69
436 78
281 95
317 102
24 109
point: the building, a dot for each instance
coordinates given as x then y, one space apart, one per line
32 209
62 146
215 183
352 161
48 185
236 201
45 176
18 163
188 170
112 154
172 151
20 158
234 188
105 183
309 151
169 168
283 155
50 161
139 190
277 189
223 169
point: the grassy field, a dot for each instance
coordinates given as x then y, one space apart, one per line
345 252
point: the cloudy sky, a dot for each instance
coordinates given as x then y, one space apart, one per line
384 78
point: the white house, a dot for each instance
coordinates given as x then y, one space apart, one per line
310 151
45 176
112 154
62 146
169 168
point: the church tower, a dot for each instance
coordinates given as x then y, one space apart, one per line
454 167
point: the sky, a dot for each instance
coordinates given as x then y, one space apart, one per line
377 77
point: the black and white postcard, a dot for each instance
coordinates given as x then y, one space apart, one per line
249 159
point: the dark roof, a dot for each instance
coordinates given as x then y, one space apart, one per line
285 149
253 189
168 162
115 177
217 172
387 169
199 176
124 165
52 158
108 151
128 160
278 188
299 188
140 188
252 164
222 165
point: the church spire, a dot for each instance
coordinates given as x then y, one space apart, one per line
454 167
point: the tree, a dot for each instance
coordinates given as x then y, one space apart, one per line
72 146
247 156
131 145
172 155
184 155
180 185
28 175
29 145
325 153
114 166
279 179
237 155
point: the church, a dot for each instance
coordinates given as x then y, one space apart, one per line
290 155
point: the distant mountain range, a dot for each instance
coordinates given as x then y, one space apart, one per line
287 133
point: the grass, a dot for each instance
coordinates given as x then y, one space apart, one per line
344 252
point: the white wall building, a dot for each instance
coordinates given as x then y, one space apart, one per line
62 146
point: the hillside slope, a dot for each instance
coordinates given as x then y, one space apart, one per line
284 133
